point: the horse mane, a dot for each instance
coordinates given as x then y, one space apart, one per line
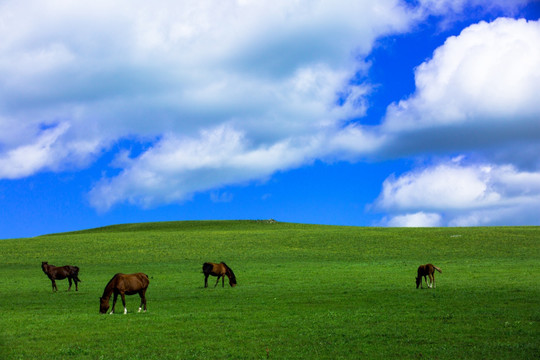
229 270
108 288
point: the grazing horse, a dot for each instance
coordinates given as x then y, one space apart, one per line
219 270
426 270
60 273
124 284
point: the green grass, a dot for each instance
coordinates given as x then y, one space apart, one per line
304 292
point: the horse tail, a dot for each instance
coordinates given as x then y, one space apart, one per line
147 279
75 272
436 268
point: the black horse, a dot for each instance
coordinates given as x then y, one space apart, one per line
61 272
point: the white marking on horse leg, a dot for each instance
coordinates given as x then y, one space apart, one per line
140 308
125 311
111 312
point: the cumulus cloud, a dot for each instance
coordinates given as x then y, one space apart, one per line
443 7
184 65
46 151
480 91
462 195
276 72
419 219
231 91
176 167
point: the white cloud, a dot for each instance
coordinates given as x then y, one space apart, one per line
110 70
176 167
442 7
221 197
419 219
46 151
481 93
441 187
480 89
237 90
476 194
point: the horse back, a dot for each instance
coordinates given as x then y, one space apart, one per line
209 268
60 272
426 269
72 270
131 282
423 270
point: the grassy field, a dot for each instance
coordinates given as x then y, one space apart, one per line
304 292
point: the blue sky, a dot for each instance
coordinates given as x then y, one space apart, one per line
367 113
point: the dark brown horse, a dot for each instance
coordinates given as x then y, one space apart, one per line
60 273
124 284
426 270
220 270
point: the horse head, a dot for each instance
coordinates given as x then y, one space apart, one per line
418 281
103 305
230 275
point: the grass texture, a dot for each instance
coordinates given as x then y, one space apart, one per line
304 292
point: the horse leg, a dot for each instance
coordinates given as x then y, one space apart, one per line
76 279
124 302
217 280
69 288
54 287
431 280
114 302
143 300
222 281
206 280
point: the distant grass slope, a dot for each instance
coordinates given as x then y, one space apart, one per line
304 292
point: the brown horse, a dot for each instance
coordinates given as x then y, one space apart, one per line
426 270
124 284
220 270
60 273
